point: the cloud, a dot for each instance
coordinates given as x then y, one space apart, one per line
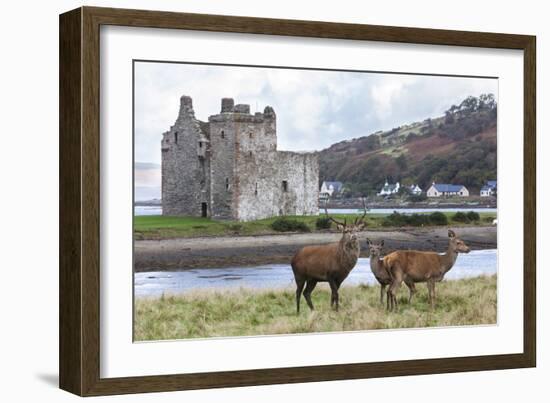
314 108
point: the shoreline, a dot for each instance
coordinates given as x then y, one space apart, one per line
289 288
178 254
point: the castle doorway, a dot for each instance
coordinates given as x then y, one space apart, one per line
204 210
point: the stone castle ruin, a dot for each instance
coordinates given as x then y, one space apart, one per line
229 168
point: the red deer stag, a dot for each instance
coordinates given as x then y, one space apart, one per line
327 263
421 267
379 270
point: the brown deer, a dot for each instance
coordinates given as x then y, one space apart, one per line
421 267
379 270
327 263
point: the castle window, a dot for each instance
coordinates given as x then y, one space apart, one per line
250 153
176 137
249 135
223 134
226 183
285 186
200 144
256 190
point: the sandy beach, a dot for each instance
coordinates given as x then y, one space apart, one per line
186 253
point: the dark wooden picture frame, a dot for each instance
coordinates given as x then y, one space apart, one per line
79 349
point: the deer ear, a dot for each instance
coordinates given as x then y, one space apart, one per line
368 241
451 233
361 226
340 227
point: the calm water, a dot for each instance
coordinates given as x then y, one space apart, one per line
157 210
475 263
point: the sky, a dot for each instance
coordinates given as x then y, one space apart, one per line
315 109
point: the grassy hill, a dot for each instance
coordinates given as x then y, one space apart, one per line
459 147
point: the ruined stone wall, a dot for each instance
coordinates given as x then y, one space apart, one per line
222 164
301 171
185 164
278 183
271 182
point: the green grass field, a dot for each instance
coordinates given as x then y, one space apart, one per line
247 312
161 227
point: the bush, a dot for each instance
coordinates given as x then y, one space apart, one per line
323 223
438 218
400 220
461 217
417 220
283 224
394 220
472 216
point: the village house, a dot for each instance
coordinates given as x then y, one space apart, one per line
489 189
444 189
389 189
330 189
415 190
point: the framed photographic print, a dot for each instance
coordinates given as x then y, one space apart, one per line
250 201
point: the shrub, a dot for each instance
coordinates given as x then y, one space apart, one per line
394 220
438 218
283 224
461 217
323 223
473 216
417 220
400 220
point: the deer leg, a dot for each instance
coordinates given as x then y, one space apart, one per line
394 288
307 292
334 294
299 287
431 293
382 292
412 289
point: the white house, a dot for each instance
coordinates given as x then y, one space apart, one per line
415 190
444 189
328 189
489 189
389 189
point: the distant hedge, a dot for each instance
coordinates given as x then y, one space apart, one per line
473 216
460 217
438 218
414 220
283 224
323 223
466 217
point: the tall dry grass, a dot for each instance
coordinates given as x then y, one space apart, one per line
246 312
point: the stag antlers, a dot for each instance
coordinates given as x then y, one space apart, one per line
356 222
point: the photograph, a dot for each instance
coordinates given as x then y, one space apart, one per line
274 200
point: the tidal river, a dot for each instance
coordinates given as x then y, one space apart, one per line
154 284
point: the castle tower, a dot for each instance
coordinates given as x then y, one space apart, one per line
186 165
236 137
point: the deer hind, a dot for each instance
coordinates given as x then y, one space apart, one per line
421 267
380 273
330 263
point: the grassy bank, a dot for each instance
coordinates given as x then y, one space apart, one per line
161 227
247 312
